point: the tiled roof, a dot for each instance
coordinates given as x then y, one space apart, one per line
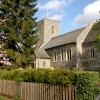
69 37
39 53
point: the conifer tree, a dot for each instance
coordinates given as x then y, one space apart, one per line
19 29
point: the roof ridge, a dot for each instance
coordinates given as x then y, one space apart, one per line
45 43
71 32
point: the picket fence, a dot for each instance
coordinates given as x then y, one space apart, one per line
37 91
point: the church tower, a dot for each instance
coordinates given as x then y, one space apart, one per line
47 29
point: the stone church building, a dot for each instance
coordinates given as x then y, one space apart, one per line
73 50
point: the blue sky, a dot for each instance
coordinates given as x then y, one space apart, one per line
72 14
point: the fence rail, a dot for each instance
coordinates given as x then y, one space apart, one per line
37 91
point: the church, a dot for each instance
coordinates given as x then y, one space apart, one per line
72 50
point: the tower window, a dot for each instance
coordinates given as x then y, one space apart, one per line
54 56
62 54
68 54
52 29
92 52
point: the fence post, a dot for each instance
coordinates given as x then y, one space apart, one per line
18 92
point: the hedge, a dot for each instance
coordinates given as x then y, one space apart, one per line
57 76
86 83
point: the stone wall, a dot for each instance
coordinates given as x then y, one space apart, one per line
45 30
80 40
88 63
48 29
42 63
65 64
40 27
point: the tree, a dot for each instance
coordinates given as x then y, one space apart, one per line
19 29
98 36
4 61
97 29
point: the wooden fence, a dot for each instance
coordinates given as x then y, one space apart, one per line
37 91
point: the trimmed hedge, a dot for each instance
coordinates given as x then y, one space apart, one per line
86 83
57 76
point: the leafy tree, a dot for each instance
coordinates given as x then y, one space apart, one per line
4 61
97 29
19 29
98 36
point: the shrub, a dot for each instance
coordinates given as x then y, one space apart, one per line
9 75
57 76
86 83
64 77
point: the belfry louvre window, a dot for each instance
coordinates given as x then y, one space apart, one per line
54 56
68 54
62 54
92 53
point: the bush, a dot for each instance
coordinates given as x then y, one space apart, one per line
86 83
57 76
9 75
64 77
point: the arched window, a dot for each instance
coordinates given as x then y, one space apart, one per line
54 56
62 54
52 29
92 53
68 54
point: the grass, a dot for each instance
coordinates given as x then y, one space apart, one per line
3 98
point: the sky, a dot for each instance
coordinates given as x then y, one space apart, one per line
72 14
